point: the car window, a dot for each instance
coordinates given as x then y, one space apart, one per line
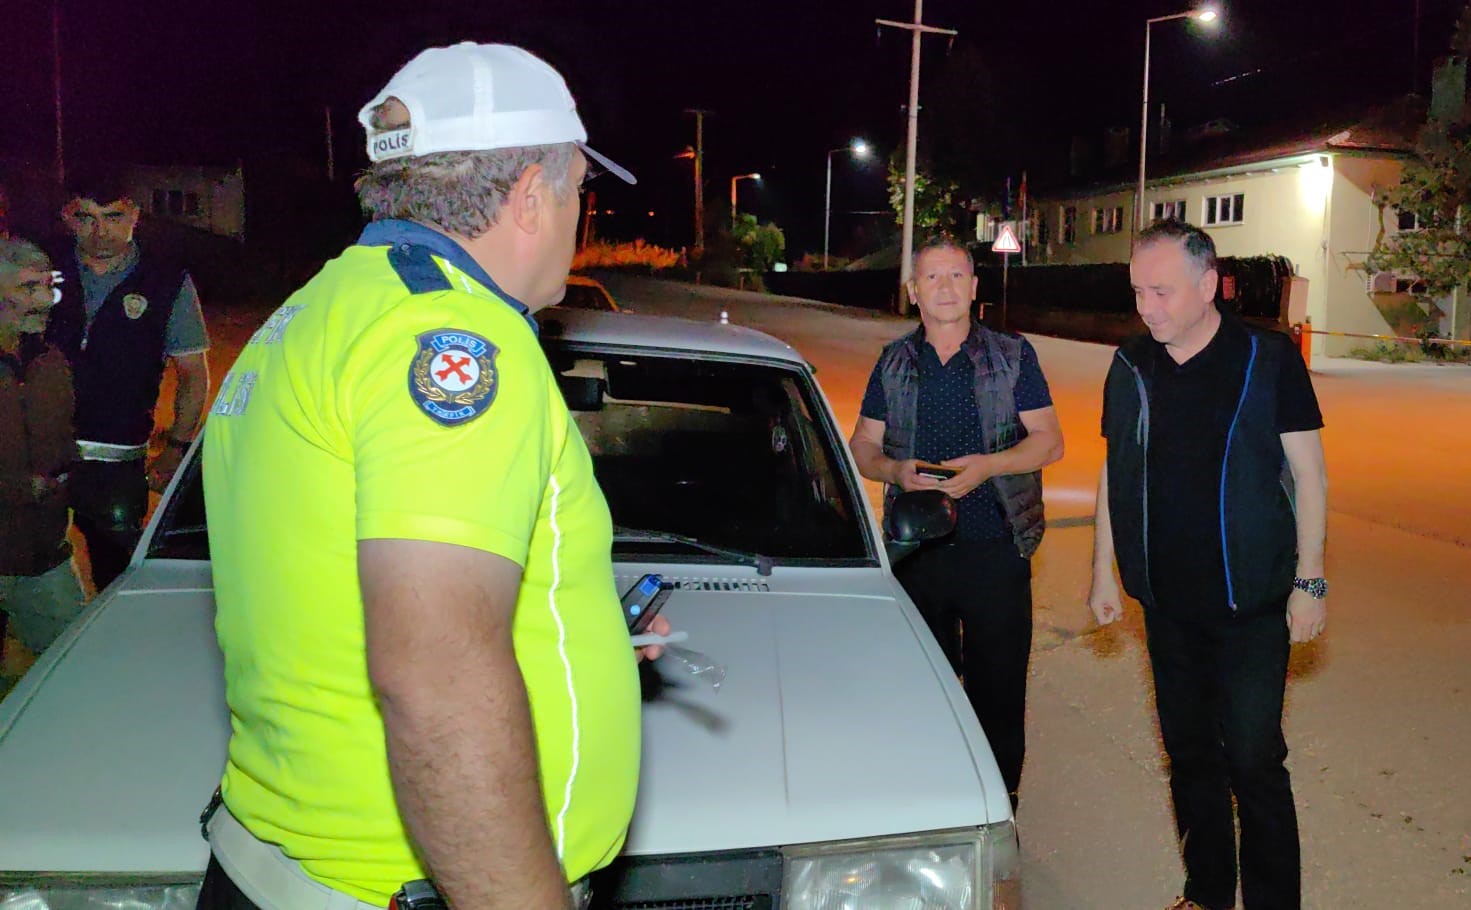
587 297
736 454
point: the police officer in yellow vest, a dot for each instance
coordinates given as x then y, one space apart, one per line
426 663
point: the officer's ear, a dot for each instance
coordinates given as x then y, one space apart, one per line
529 200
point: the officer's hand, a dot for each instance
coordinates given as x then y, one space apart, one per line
658 626
974 471
161 469
1104 599
910 480
1306 616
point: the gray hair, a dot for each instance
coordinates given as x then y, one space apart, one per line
459 192
942 242
1199 248
17 254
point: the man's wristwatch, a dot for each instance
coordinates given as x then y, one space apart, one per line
1316 587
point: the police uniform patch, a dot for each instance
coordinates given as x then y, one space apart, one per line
453 376
134 305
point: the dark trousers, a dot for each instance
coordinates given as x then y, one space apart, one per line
109 501
219 893
977 599
1219 688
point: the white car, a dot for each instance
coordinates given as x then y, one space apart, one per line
837 763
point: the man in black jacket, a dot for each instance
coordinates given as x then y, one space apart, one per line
1214 501
125 313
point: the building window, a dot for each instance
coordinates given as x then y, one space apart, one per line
1415 286
1408 221
191 203
1224 209
1067 224
176 202
1173 208
1109 220
160 202
1043 235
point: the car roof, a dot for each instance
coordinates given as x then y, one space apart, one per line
584 281
664 332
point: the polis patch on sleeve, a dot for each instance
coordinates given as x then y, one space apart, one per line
453 377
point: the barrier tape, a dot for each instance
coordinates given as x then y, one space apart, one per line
1451 341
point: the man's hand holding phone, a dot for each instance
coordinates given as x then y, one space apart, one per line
641 606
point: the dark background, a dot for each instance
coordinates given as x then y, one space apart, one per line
211 82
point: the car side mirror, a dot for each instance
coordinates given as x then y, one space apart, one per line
916 517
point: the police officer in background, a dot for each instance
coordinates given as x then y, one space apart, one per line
427 666
125 312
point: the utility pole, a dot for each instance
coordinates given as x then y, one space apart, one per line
331 155
56 90
906 253
699 180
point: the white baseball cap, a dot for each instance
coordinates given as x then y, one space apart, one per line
475 97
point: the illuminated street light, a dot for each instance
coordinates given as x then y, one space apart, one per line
751 176
1202 14
858 149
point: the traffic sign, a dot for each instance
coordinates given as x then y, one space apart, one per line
1006 240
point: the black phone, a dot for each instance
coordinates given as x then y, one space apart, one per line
937 471
643 601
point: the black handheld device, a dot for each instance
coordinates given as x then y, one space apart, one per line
642 602
937 471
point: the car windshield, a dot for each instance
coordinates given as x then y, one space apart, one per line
737 455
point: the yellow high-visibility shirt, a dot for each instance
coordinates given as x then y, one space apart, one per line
397 396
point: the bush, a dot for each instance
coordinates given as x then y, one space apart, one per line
637 256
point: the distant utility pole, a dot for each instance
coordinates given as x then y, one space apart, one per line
56 89
331 155
906 253
699 180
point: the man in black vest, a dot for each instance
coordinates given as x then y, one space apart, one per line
124 314
955 398
1214 500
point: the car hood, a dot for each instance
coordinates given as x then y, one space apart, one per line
837 718
111 746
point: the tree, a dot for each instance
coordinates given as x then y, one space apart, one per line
935 207
763 245
1435 190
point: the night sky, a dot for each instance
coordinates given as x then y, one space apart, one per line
202 81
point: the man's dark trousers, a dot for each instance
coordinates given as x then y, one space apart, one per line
109 502
1219 687
976 597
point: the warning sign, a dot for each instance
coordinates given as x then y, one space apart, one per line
1006 240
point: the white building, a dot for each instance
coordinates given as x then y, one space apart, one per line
1317 199
209 198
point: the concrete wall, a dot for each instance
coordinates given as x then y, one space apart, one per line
1356 225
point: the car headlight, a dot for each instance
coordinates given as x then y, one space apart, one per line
970 869
84 891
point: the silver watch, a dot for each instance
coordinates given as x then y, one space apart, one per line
1316 587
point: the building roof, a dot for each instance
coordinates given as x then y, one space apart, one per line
1387 129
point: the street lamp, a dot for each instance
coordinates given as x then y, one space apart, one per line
1203 14
751 176
859 149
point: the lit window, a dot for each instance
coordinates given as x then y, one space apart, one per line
1067 224
1172 208
1224 209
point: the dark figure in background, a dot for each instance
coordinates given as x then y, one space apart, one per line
956 393
125 313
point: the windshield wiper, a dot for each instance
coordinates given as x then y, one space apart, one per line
761 563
